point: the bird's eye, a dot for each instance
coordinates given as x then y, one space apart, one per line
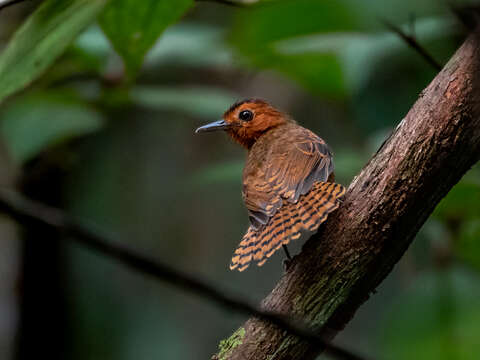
245 115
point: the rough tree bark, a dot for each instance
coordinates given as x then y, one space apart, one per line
385 206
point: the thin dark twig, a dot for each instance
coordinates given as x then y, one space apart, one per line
413 43
229 2
8 3
23 209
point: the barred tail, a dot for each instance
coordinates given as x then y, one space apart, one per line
288 223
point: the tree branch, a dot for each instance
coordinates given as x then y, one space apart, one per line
26 210
385 206
7 3
413 43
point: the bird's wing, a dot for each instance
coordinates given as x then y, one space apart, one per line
292 165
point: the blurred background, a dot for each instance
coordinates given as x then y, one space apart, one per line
109 136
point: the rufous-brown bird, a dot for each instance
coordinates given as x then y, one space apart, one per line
288 179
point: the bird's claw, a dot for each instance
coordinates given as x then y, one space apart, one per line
287 263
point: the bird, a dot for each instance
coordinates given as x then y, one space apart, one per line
288 184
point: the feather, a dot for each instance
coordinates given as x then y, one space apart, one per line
290 222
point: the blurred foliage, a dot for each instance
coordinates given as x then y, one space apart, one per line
127 94
41 39
201 102
36 122
460 211
133 27
202 45
224 172
436 318
468 244
461 203
255 33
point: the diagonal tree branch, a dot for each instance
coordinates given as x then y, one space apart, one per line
385 206
413 43
26 211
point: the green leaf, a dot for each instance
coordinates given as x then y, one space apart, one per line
361 53
191 44
257 32
133 26
34 123
41 39
94 43
278 20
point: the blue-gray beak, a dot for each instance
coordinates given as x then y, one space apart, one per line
214 126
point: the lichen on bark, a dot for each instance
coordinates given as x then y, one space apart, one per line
226 346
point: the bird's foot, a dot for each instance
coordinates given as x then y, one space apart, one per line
287 263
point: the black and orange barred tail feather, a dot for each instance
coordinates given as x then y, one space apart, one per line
288 223
245 251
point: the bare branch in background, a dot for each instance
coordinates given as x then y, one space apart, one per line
413 43
25 210
7 3
239 3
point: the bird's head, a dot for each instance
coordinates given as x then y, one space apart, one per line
245 121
